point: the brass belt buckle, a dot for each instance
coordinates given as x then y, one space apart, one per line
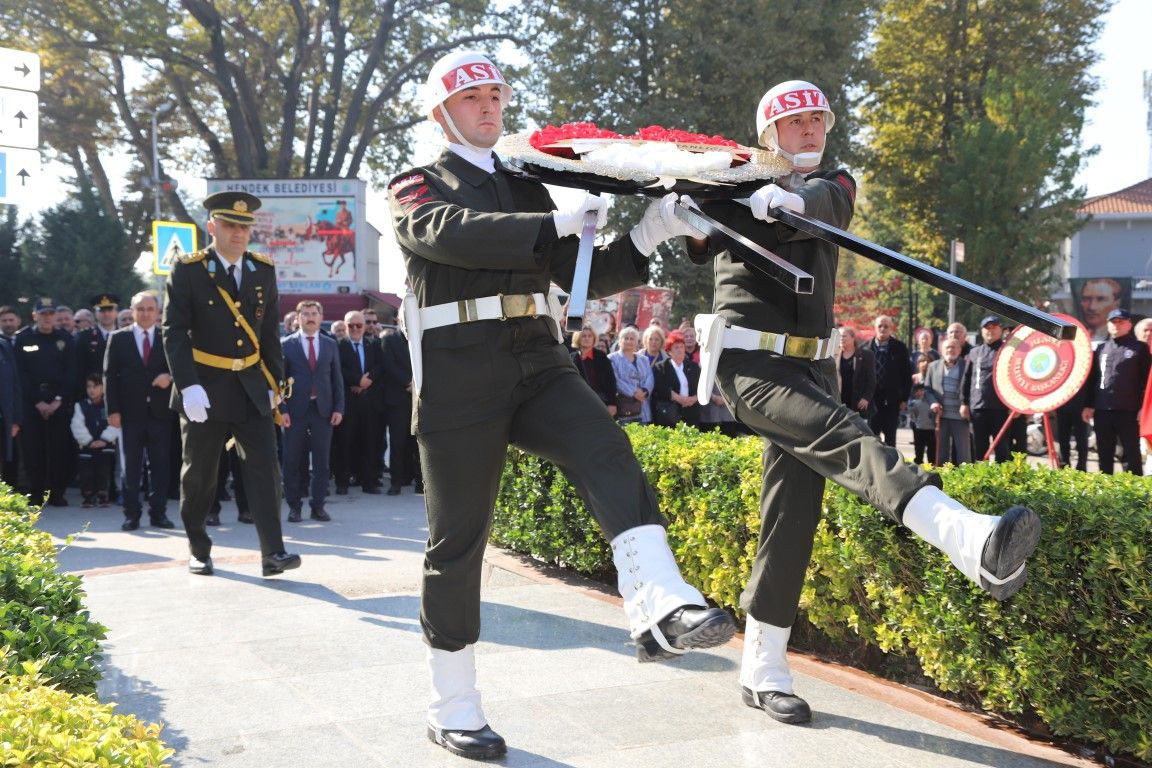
237 364
801 346
515 305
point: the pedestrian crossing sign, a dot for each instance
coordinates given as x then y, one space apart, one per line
170 241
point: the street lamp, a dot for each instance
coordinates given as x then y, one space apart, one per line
163 109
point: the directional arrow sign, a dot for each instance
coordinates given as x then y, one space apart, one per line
19 174
19 69
19 119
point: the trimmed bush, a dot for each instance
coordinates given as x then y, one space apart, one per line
41 725
42 614
1072 647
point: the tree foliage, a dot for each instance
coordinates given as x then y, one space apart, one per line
701 67
973 118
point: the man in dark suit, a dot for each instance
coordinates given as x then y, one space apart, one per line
11 411
222 339
404 458
315 405
362 366
893 379
137 388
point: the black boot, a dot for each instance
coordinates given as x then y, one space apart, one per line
689 626
785 707
1003 564
483 744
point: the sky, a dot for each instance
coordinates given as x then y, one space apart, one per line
1118 123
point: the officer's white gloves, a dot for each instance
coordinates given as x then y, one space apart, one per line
660 223
771 196
569 218
195 403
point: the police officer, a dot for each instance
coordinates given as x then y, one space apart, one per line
481 246
979 402
771 350
1115 393
222 339
47 365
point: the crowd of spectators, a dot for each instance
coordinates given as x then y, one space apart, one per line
84 403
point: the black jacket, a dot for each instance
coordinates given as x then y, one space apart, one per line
602 374
978 391
1119 374
894 386
665 380
373 398
128 388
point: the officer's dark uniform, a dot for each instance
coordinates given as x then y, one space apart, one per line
466 233
207 345
794 403
47 365
978 392
1115 389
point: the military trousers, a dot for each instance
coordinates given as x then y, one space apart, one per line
809 436
256 447
553 414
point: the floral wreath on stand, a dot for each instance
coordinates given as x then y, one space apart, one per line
653 161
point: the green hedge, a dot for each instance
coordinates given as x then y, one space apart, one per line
49 655
41 725
42 613
1073 648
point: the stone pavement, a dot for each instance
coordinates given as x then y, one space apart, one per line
324 666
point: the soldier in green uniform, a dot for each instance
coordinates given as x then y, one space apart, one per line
222 339
481 246
771 351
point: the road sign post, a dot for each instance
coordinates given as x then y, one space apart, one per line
19 124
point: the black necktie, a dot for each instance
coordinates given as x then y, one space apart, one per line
232 277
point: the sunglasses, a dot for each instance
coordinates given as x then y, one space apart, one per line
353 325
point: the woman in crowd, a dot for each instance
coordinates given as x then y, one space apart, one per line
653 344
595 367
674 381
924 348
633 379
857 373
691 348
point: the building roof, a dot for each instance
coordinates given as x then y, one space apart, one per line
1134 199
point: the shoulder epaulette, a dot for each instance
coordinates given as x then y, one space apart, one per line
195 256
263 258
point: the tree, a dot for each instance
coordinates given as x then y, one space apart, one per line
625 64
77 252
974 117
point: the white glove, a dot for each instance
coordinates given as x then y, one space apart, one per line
771 196
651 231
195 403
570 219
675 225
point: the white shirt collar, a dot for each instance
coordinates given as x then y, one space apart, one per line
482 159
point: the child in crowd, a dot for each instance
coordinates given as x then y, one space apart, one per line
97 441
923 423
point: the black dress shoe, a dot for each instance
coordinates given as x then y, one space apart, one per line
130 525
689 626
213 518
393 490
484 744
318 513
246 518
372 489
1003 564
294 514
341 490
200 567
162 521
280 562
785 707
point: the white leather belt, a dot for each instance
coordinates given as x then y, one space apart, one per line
499 307
803 347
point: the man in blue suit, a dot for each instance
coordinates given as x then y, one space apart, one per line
315 406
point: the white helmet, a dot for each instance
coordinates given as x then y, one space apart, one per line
788 98
457 71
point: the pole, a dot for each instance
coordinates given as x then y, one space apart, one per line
160 110
952 271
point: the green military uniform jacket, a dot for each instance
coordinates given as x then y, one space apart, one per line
196 317
749 299
466 233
